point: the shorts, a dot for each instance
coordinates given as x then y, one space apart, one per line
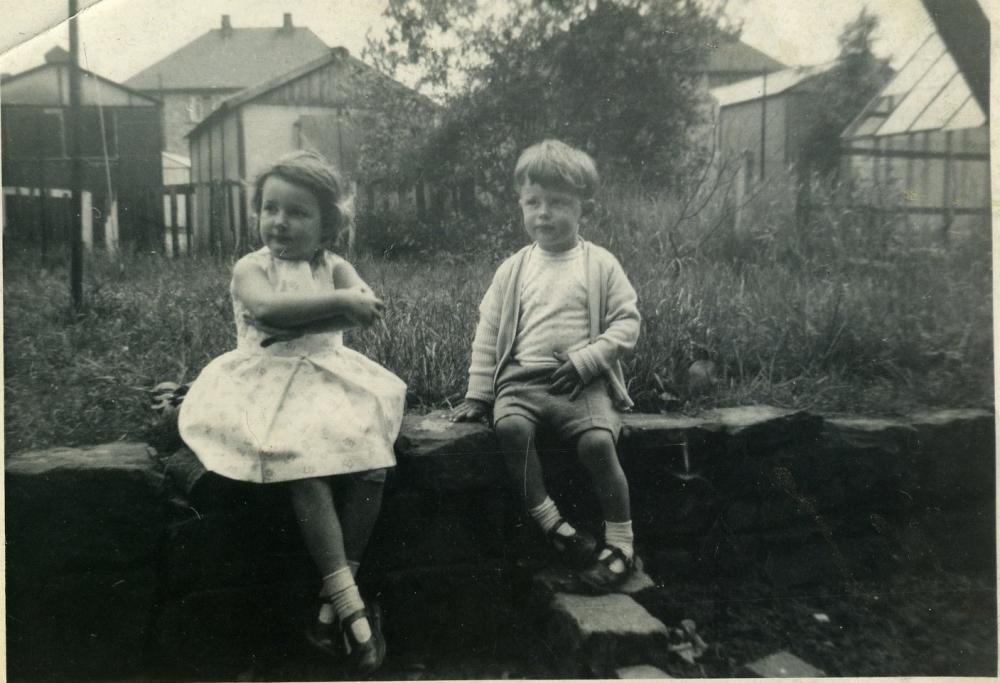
524 391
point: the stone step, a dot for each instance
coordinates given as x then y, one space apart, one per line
593 635
783 664
550 581
641 671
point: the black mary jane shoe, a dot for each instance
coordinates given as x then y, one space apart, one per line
576 551
327 638
365 658
599 577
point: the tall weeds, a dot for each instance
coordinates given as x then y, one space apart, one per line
842 311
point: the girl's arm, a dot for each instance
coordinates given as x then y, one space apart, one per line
292 309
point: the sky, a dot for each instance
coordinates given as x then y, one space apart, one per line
119 38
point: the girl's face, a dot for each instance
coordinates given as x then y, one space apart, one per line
551 217
290 221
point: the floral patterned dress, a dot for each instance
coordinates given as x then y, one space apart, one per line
309 407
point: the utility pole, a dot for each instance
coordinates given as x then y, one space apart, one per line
76 165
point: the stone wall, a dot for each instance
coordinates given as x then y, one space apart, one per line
122 559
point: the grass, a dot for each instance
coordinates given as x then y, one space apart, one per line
831 318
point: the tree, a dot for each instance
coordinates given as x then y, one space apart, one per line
618 78
857 77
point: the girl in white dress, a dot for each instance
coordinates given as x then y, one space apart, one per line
292 404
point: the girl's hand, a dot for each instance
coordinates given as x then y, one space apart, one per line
274 334
363 306
565 378
469 410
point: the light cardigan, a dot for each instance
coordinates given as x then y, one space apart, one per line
614 324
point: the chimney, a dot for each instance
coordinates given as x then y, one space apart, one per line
227 28
287 23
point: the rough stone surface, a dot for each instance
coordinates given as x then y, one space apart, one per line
551 581
786 495
76 509
641 671
441 455
783 664
76 626
597 634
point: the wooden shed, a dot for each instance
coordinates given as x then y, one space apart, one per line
922 147
328 105
763 122
121 145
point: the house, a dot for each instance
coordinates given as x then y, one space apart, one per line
733 60
333 105
763 122
922 145
120 144
193 80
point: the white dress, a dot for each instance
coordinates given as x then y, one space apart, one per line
309 407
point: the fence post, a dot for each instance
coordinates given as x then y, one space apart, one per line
188 215
947 203
212 227
175 246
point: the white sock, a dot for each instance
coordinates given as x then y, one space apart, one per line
619 535
354 566
547 516
345 600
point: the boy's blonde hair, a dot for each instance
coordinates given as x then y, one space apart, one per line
552 163
311 171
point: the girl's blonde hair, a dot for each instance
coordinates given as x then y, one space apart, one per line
554 163
311 171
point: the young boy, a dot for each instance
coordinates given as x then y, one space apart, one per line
553 324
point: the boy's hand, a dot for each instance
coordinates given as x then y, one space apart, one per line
565 378
470 409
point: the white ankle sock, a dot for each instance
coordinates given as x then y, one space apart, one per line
619 535
547 516
345 599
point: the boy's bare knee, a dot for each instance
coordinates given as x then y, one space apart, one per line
515 430
595 444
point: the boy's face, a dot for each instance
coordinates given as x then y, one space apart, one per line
552 217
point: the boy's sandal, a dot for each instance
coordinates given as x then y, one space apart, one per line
602 578
366 657
577 550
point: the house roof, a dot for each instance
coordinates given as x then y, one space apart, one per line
928 93
231 59
261 89
736 56
48 85
772 84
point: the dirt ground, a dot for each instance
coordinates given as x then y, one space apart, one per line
926 625
906 625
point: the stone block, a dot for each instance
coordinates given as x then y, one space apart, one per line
783 664
206 633
437 454
595 635
641 671
960 539
954 456
74 509
551 581
229 548
92 624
